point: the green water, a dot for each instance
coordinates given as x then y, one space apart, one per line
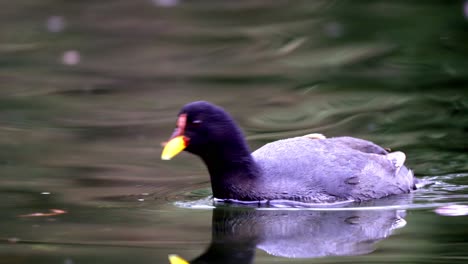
90 89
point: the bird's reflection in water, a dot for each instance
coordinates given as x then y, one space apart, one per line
238 232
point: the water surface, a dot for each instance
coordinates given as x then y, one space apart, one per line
89 90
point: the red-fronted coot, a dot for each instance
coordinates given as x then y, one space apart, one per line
310 168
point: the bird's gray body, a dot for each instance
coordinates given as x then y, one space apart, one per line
329 170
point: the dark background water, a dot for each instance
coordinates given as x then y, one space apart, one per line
89 90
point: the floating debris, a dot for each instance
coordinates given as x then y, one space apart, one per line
53 212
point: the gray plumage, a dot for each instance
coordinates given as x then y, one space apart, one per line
330 170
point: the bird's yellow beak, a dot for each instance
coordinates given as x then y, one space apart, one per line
174 259
173 147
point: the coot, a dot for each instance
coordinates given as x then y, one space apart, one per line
309 168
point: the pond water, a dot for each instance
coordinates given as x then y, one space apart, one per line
90 89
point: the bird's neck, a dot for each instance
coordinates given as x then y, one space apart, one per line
232 170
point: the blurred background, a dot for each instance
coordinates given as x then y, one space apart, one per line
89 90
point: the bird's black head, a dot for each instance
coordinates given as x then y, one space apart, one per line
203 129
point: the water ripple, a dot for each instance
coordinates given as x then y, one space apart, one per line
437 192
